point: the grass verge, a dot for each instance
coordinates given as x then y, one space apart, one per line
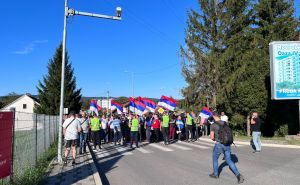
37 175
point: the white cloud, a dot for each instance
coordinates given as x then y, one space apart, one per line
29 48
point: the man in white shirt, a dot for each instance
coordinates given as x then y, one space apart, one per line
224 117
71 127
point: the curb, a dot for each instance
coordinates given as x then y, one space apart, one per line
91 161
263 144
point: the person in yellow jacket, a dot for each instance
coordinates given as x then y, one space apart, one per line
134 128
95 131
164 127
189 126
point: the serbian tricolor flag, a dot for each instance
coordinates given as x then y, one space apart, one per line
115 105
167 102
136 106
150 105
94 107
205 113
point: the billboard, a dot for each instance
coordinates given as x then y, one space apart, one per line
6 129
285 69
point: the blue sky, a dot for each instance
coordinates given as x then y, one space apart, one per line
145 42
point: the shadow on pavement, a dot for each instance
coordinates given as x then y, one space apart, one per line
107 163
71 174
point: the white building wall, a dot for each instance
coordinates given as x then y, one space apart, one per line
18 104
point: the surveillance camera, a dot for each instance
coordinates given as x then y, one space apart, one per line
119 11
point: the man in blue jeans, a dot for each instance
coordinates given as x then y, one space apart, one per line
84 123
220 148
255 124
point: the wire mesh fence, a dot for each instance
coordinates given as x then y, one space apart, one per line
32 136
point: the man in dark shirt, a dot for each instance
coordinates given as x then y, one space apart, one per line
220 148
255 124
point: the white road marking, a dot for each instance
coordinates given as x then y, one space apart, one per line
179 147
195 145
123 151
144 150
163 148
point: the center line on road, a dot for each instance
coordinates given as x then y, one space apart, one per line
179 147
155 145
194 145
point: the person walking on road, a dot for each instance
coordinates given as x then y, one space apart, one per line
189 127
172 126
180 126
218 133
84 123
95 129
71 128
116 125
156 126
148 126
134 128
104 129
255 124
165 127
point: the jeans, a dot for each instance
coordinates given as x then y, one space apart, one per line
148 134
134 135
117 137
82 141
256 140
204 129
218 149
165 131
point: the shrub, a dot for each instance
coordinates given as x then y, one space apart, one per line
282 130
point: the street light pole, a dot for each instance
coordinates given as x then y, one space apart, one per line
61 109
72 12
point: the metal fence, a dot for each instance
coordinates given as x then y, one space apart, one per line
32 136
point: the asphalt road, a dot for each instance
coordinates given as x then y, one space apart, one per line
190 163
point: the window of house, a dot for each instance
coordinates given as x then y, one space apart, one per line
24 106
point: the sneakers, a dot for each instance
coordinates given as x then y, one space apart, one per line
240 179
213 176
73 162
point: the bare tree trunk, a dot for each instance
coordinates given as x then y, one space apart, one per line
248 125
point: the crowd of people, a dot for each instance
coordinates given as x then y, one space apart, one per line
127 129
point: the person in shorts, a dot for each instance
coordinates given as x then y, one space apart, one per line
71 128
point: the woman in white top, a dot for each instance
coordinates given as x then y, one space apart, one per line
104 131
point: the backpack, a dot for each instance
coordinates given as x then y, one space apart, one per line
225 134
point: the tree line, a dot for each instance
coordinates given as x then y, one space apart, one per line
225 59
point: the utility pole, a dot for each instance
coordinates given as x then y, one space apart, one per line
72 12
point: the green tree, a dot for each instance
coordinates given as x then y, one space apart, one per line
275 21
49 88
200 64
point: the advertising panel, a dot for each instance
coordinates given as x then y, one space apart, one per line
285 69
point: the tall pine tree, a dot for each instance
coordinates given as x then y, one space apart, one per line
200 56
49 88
275 21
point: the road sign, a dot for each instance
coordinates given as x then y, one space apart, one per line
285 69
161 110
